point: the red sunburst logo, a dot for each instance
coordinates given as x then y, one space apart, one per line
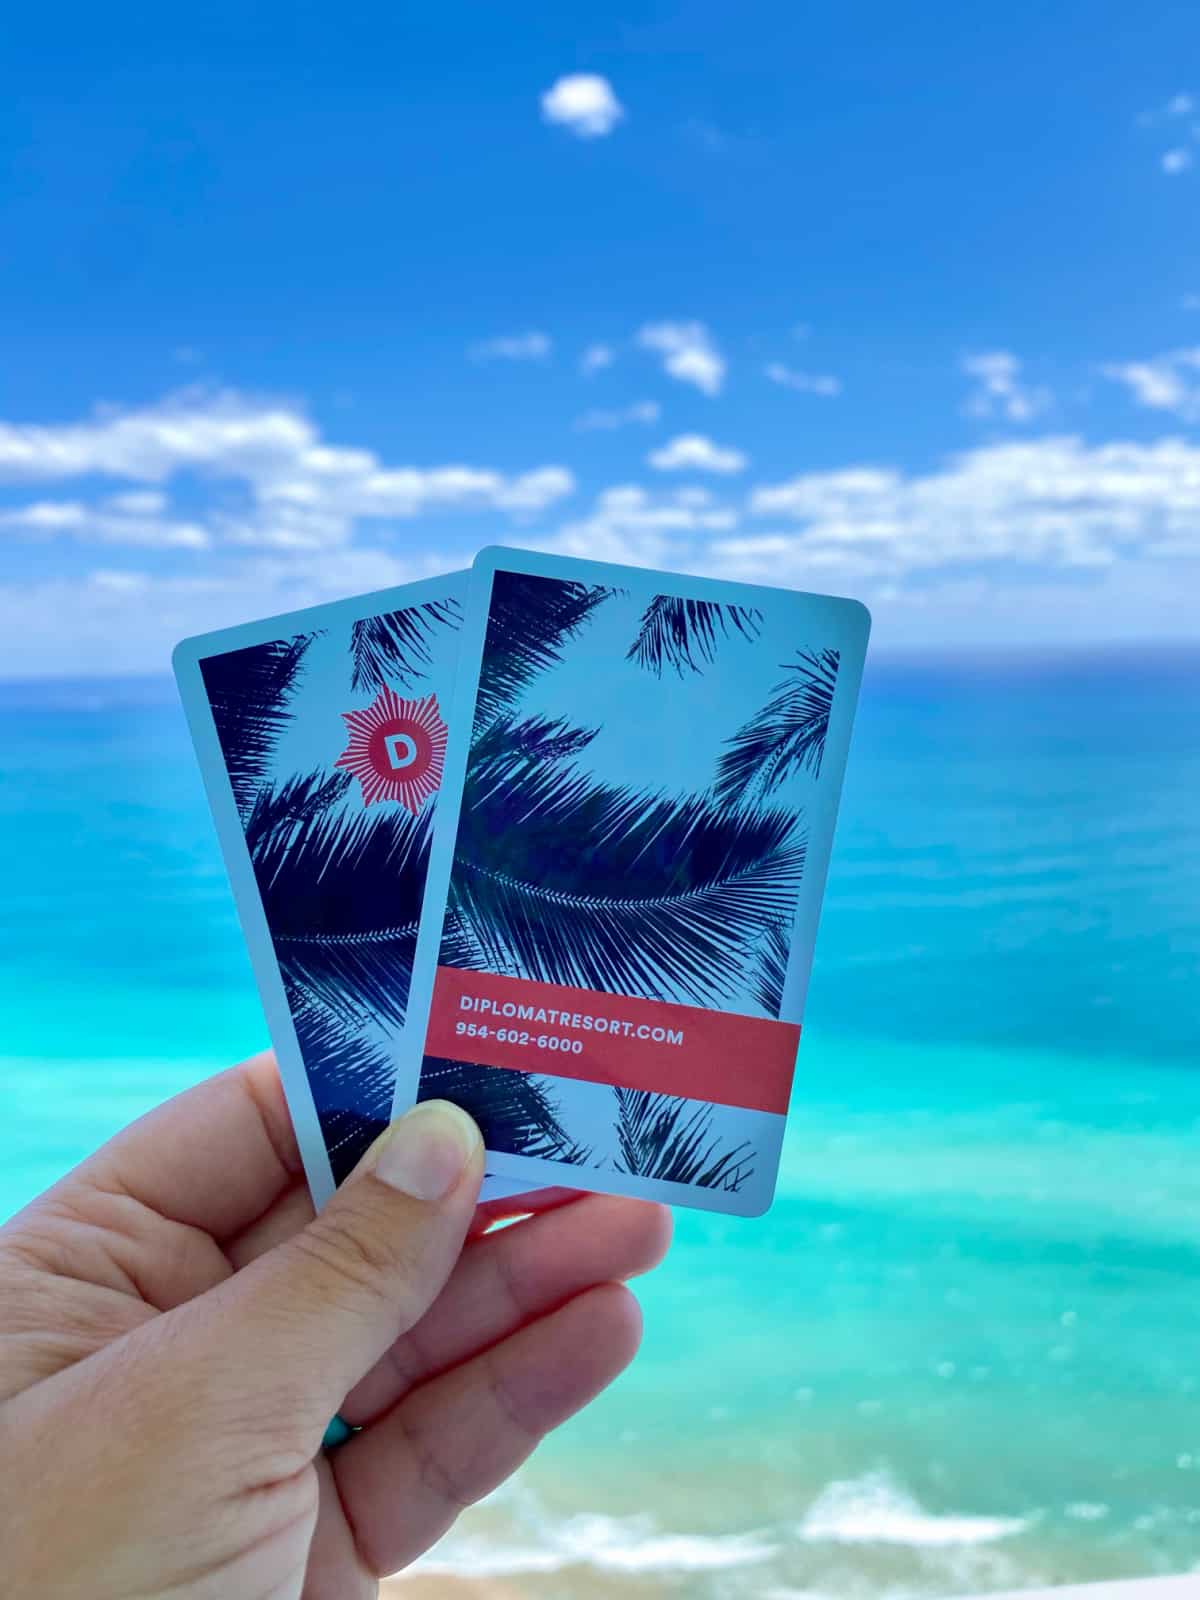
396 749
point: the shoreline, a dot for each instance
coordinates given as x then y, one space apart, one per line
441 1587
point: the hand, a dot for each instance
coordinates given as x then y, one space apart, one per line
176 1331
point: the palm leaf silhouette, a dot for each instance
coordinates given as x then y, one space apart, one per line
342 894
507 749
351 1080
770 972
396 647
665 1137
460 948
786 735
289 804
249 691
570 881
529 622
516 1111
685 633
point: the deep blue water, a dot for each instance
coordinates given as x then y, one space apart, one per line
964 1347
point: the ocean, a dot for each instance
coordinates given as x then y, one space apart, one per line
962 1351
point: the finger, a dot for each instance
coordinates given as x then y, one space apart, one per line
512 1277
520 1205
293 1210
403 1480
313 1315
166 1159
335 1569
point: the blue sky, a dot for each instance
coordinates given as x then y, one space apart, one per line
299 301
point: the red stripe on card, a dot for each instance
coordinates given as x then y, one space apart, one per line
603 1038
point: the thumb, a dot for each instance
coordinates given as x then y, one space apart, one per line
310 1318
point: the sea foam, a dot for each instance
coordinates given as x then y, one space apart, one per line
537 1543
873 1509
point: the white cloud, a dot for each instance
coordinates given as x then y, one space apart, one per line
183 433
124 620
1166 382
531 346
1050 503
278 483
688 353
1176 161
584 103
804 382
999 390
643 411
1190 302
108 523
631 524
1047 539
595 358
139 502
693 451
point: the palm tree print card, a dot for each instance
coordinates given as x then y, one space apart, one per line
628 860
321 738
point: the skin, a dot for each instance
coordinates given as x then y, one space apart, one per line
176 1330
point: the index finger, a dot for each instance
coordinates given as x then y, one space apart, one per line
215 1157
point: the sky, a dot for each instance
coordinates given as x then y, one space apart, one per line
302 301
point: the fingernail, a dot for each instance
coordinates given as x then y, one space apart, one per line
426 1152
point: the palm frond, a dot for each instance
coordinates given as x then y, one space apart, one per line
662 1136
249 691
289 804
342 892
685 633
529 622
573 882
396 647
516 1111
787 735
351 1078
508 749
770 969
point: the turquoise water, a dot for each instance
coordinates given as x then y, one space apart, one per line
963 1349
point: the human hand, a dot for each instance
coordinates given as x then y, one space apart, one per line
176 1331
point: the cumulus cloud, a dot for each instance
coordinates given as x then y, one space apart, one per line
115 521
999 391
688 353
282 484
1167 382
531 346
1042 539
1056 509
584 104
119 620
1052 503
643 411
1177 160
631 524
695 452
595 358
819 383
